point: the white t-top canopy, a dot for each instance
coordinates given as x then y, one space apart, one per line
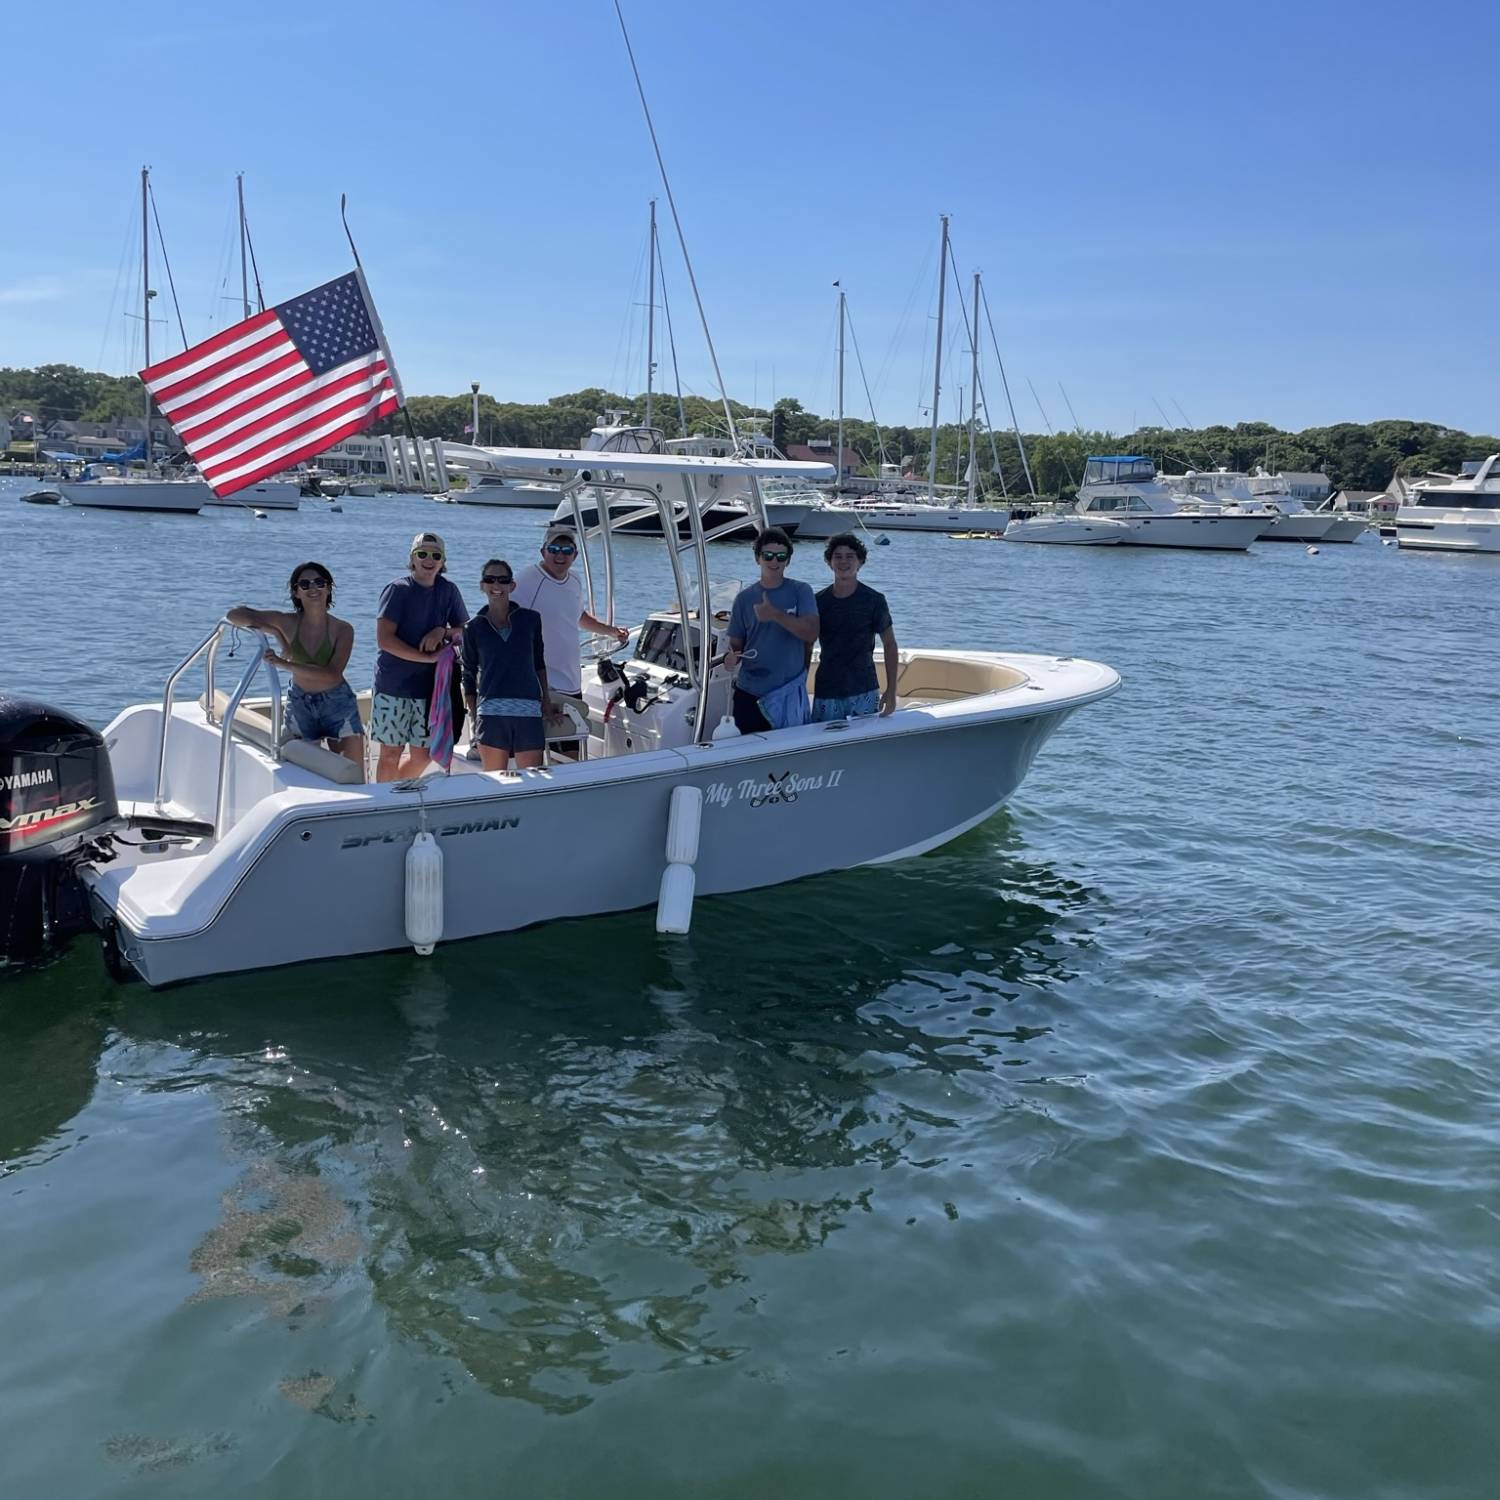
543 460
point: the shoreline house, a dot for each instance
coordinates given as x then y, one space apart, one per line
820 451
1311 489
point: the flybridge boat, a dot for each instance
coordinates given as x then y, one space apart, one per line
1127 488
1454 512
201 842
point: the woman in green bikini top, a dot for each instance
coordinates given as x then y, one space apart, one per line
321 705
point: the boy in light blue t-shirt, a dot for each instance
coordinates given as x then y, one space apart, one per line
773 623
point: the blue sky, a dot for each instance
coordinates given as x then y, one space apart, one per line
1285 212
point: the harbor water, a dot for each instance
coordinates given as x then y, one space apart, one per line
1142 1143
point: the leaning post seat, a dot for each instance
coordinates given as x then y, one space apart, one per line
253 723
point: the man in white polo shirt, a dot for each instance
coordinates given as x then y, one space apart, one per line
550 588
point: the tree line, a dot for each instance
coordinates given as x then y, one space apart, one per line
1354 455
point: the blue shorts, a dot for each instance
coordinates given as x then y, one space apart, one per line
512 732
330 715
857 706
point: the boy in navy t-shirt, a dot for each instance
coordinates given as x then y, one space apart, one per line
850 616
772 624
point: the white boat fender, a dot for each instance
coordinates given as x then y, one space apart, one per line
683 822
424 893
725 729
260 515
674 901
674 905
1312 551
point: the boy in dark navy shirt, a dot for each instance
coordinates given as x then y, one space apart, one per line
850 616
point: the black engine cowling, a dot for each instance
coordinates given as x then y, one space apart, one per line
57 801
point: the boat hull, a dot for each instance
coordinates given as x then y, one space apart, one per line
1074 531
181 496
776 808
1460 531
1347 528
509 495
832 520
1298 526
275 494
1218 533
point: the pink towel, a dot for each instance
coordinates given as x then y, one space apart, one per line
440 710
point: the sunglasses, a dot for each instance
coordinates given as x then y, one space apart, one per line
428 556
772 555
561 549
308 584
493 580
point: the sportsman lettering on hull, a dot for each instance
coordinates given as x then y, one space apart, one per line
450 830
783 787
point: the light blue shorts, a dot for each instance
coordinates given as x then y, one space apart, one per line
859 706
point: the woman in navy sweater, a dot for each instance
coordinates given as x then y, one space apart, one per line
504 675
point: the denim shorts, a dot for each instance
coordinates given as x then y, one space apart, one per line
330 715
857 706
398 721
512 732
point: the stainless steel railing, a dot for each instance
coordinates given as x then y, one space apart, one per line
210 644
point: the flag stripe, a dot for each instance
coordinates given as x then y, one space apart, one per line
285 431
241 336
233 393
308 450
173 399
306 399
381 404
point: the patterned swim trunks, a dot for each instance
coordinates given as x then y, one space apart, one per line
398 721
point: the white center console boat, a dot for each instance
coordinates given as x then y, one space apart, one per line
201 842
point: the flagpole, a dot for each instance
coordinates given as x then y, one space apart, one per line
146 300
973 385
364 288
937 364
239 183
838 462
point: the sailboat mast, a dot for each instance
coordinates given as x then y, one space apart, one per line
146 294
937 365
838 462
239 183
651 317
973 384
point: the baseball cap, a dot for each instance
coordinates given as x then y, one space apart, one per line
427 539
553 532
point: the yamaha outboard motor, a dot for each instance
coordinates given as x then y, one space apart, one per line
57 804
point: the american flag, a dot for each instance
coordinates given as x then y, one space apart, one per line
281 386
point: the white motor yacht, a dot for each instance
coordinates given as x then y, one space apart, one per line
1127 488
1231 490
205 843
1068 528
1453 512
